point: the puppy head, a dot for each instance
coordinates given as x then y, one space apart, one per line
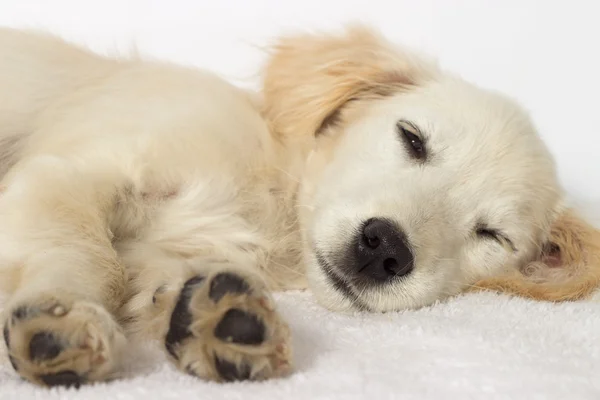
416 183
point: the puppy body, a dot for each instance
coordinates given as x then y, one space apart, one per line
205 179
107 197
160 198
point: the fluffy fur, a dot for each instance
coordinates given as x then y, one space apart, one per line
147 200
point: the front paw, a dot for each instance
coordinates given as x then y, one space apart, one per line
224 328
55 342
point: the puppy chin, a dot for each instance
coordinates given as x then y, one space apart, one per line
324 289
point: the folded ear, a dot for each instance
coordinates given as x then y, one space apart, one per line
567 268
309 77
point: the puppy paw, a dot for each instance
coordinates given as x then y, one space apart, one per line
63 343
224 328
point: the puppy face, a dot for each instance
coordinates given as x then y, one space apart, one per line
417 184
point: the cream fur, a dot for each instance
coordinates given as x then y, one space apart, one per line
124 178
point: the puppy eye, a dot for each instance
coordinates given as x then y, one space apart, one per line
410 136
486 233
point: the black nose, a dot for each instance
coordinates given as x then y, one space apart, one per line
382 252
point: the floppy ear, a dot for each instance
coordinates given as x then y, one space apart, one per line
309 77
573 251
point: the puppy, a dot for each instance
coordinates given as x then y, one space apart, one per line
144 200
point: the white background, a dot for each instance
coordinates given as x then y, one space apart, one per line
544 53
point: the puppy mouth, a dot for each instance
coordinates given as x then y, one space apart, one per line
341 286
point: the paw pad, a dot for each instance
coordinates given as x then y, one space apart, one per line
64 378
44 346
229 372
225 283
240 327
181 318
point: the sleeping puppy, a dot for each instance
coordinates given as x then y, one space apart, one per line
144 200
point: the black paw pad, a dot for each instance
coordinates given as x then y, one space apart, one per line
230 372
224 283
181 318
64 378
240 327
44 346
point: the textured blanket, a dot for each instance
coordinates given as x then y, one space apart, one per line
474 346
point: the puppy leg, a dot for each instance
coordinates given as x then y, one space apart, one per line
216 321
64 277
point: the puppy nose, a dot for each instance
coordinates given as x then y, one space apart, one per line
382 252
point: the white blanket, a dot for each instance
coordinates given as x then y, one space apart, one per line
475 346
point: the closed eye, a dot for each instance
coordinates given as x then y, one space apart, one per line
486 233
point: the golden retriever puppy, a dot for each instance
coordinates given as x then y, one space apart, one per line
146 200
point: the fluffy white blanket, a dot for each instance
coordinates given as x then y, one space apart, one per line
474 346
